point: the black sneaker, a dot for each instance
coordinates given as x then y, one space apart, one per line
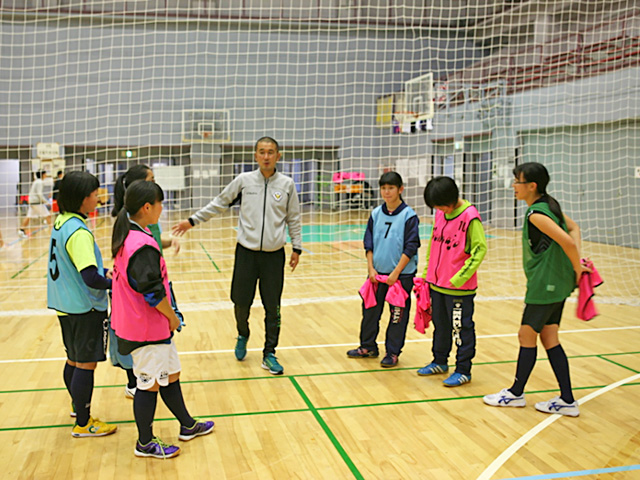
389 361
362 353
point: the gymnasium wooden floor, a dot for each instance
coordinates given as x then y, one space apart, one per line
328 417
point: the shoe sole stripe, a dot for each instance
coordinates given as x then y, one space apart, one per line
138 453
199 434
271 371
84 435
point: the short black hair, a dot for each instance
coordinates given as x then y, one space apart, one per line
267 139
74 188
441 192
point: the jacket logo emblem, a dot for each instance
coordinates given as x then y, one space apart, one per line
277 196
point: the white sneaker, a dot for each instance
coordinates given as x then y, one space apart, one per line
504 398
129 392
21 234
559 406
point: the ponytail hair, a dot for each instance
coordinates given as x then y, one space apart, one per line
136 196
137 172
537 172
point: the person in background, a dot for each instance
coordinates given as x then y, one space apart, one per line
37 204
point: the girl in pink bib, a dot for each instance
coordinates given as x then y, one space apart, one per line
144 321
456 248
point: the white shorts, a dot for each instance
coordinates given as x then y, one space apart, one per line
154 363
37 210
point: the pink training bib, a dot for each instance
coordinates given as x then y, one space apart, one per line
447 255
132 318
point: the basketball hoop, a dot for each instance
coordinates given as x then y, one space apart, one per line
206 135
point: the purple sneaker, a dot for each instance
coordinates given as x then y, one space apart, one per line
200 428
156 448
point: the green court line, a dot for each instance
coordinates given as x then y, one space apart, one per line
211 259
346 372
619 364
327 430
167 419
23 269
448 399
314 410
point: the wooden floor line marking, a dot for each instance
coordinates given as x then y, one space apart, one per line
509 452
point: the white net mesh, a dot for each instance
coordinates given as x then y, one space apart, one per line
117 83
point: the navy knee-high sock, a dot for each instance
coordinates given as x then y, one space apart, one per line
81 392
526 362
131 378
560 366
172 398
68 375
144 409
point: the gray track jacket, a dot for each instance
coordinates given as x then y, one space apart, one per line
268 206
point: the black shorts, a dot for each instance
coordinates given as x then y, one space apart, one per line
85 336
537 316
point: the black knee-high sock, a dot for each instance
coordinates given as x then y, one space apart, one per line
131 378
172 398
81 392
144 409
560 366
68 375
526 362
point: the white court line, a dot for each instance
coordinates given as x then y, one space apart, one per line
504 456
331 345
291 302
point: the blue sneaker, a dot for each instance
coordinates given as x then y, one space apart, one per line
270 362
432 369
200 428
156 448
456 379
241 347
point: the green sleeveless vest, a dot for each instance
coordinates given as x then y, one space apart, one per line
550 275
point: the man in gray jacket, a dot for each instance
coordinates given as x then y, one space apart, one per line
269 203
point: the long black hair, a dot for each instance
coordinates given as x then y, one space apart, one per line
537 172
74 188
137 194
137 172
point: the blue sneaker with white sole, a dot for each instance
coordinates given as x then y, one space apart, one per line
456 379
433 369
